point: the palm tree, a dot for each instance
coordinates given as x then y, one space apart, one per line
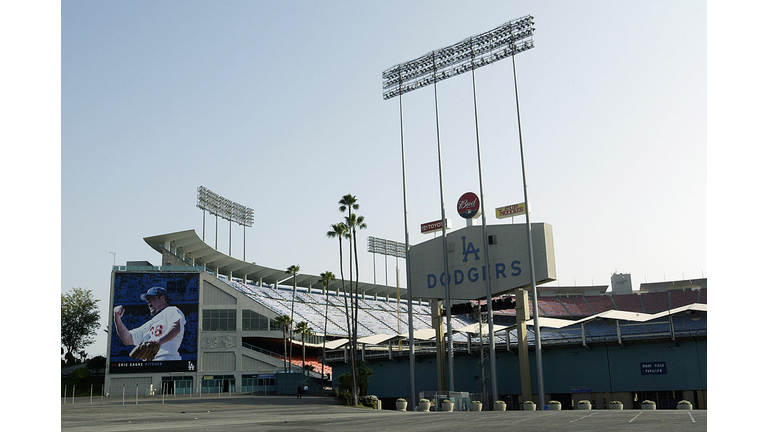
341 231
326 279
292 270
305 331
284 322
347 203
354 221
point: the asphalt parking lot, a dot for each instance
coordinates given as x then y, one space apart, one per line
286 413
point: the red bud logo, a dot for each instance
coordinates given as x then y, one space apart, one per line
468 206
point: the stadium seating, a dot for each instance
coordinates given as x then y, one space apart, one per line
576 306
628 302
551 307
655 302
600 303
679 298
380 316
375 316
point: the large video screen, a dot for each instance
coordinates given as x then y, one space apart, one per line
154 322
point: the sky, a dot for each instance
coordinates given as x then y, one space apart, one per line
278 106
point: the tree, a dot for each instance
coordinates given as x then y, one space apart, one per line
341 231
326 279
363 374
292 270
79 320
305 331
285 323
347 203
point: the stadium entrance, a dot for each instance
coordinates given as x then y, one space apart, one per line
177 385
259 384
218 384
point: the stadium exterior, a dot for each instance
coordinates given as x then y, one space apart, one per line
596 346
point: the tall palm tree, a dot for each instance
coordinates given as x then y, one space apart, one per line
284 321
305 331
354 221
341 231
347 203
325 278
292 270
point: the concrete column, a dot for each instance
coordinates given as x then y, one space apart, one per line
437 324
523 314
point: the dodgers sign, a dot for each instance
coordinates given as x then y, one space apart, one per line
507 257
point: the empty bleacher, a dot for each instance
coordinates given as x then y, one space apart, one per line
600 303
576 306
628 302
655 301
551 307
380 316
679 298
375 316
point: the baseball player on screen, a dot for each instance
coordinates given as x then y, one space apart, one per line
161 336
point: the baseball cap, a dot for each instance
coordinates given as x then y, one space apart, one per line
154 291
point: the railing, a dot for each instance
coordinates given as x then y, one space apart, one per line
192 269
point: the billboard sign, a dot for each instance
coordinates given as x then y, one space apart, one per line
468 206
437 225
507 256
158 308
510 210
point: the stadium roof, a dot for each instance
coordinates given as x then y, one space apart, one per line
672 285
187 244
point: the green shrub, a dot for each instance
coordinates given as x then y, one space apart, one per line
370 401
346 398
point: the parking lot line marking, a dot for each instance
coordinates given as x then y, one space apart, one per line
691 416
590 415
633 418
532 418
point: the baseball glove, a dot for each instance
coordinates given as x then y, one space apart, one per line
146 350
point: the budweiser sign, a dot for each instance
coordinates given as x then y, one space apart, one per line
468 206
435 226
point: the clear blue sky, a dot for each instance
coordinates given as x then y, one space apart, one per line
278 106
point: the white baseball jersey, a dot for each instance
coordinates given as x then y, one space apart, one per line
157 327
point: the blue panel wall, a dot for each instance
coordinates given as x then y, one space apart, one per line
600 368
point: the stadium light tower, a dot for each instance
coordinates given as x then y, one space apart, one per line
387 248
536 330
506 40
229 210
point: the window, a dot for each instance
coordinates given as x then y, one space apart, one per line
219 320
255 321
